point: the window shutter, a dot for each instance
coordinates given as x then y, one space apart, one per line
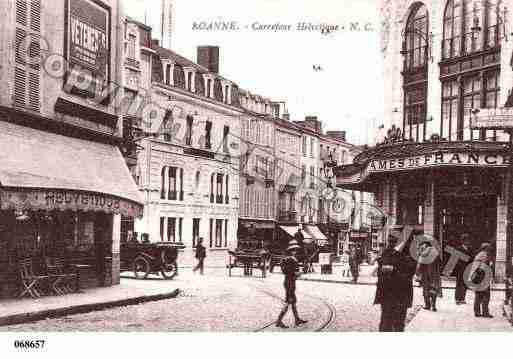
27 89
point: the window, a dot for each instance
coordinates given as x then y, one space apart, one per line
208 130
219 233
197 180
303 146
416 36
131 46
311 147
195 231
226 131
199 84
171 229
492 21
180 224
303 173
212 198
226 93
209 86
179 76
163 183
227 197
226 233
168 74
312 177
219 188
211 228
188 131
171 191
189 81
416 49
162 223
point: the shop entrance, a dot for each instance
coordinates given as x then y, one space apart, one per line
475 215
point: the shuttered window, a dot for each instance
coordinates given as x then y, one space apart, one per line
27 76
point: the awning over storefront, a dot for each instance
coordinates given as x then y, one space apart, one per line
292 230
317 235
45 171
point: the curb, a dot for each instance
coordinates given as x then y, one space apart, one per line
83 308
373 283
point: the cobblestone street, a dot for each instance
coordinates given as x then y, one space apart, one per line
218 303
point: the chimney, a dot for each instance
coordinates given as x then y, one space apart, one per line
208 56
337 135
313 123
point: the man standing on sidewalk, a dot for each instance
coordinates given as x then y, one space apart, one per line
354 263
460 293
482 277
201 254
290 269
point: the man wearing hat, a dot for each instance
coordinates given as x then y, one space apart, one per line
290 268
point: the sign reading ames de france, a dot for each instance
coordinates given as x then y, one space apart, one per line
438 159
492 118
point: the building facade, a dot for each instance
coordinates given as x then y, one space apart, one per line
432 168
257 205
188 166
66 187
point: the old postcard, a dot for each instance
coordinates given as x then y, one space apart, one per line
255 166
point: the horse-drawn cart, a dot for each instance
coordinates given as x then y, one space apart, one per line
150 258
248 260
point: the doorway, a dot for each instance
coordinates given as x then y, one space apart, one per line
475 215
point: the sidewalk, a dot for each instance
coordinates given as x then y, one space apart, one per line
455 318
367 278
129 292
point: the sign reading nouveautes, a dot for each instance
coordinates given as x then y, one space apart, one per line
492 118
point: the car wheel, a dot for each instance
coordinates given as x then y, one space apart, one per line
169 266
141 267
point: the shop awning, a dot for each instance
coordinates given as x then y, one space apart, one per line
42 170
317 235
292 230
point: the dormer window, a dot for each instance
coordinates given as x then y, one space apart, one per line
199 84
189 81
218 90
168 74
179 77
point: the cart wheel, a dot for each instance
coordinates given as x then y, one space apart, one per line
169 270
141 267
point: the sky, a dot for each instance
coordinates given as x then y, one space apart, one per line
347 94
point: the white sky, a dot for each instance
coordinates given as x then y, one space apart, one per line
346 95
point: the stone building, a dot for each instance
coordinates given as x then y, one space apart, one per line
64 184
257 205
432 168
188 164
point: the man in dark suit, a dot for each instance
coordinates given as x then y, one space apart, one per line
201 254
460 293
290 269
394 289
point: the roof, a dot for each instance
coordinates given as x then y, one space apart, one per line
44 160
138 23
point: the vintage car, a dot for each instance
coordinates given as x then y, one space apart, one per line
150 258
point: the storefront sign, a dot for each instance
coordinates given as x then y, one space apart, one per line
492 118
438 159
67 200
88 35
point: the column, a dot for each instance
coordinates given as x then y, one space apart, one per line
116 237
429 207
502 211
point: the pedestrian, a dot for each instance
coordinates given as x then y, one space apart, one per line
290 269
354 263
482 280
344 260
394 288
428 272
460 294
201 254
